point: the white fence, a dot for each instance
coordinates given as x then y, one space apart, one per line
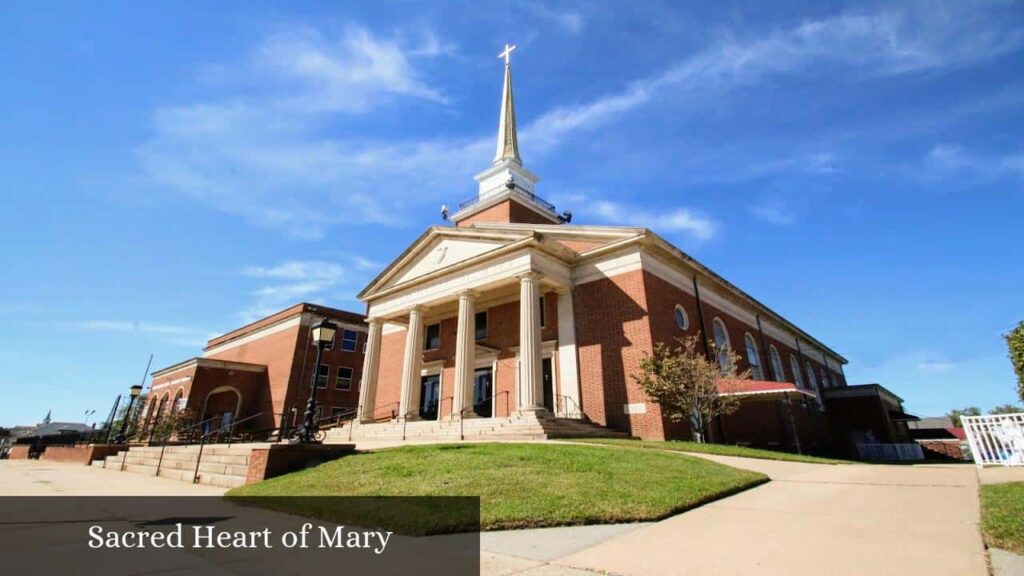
997 439
890 452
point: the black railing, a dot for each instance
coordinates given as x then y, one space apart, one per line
230 428
518 190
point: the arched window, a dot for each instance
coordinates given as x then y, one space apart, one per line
177 397
777 371
798 377
682 320
721 342
753 358
812 379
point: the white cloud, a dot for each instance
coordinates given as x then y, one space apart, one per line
774 211
947 160
937 366
168 333
294 281
671 221
349 74
890 42
569 19
266 157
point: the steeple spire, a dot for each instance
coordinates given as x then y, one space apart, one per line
508 143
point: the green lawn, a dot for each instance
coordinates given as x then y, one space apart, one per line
521 485
1002 516
720 449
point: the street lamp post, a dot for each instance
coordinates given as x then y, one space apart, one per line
323 334
122 436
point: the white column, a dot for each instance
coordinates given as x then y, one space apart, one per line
568 369
465 354
371 365
531 392
412 363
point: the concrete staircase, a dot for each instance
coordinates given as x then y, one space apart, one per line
522 427
221 465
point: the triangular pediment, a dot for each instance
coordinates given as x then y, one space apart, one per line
439 249
441 253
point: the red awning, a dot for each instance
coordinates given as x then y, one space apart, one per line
758 388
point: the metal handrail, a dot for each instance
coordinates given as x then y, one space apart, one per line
528 195
202 441
569 399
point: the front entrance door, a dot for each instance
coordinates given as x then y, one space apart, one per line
430 391
547 376
483 392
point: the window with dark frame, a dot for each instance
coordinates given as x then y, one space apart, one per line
433 337
343 381
480 322
543 315
323 371
349 339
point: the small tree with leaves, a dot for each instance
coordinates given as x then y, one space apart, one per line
1006 409
1015 344
956 413
687 384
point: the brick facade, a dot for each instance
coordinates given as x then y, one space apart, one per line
269 364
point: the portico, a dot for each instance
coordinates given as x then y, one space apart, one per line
463 353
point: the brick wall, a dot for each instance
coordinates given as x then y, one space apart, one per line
506 211
612 334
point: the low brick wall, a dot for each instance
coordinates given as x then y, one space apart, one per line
281 459
19 452
81 454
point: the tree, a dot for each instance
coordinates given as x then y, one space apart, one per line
686 383
956 413
1006 409
1015 344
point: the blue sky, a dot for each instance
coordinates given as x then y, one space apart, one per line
172 170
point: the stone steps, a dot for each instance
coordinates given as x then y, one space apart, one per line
220 465
526 427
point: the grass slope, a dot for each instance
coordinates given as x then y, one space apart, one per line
1002 516
524 485
720 449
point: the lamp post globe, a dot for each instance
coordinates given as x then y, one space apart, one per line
134 393
322 334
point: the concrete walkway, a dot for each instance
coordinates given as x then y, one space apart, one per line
42 478
811 519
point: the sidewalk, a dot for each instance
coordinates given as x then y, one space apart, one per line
42 478
811 519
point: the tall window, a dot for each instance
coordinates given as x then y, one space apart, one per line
682 320
798 377
543 314
433 337
811 378
323 371
825 381
480 324
753 358
777 371
349 339
343 381
721 342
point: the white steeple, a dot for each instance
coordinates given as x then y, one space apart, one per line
508 166
506 180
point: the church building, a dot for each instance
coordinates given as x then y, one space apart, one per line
515 314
